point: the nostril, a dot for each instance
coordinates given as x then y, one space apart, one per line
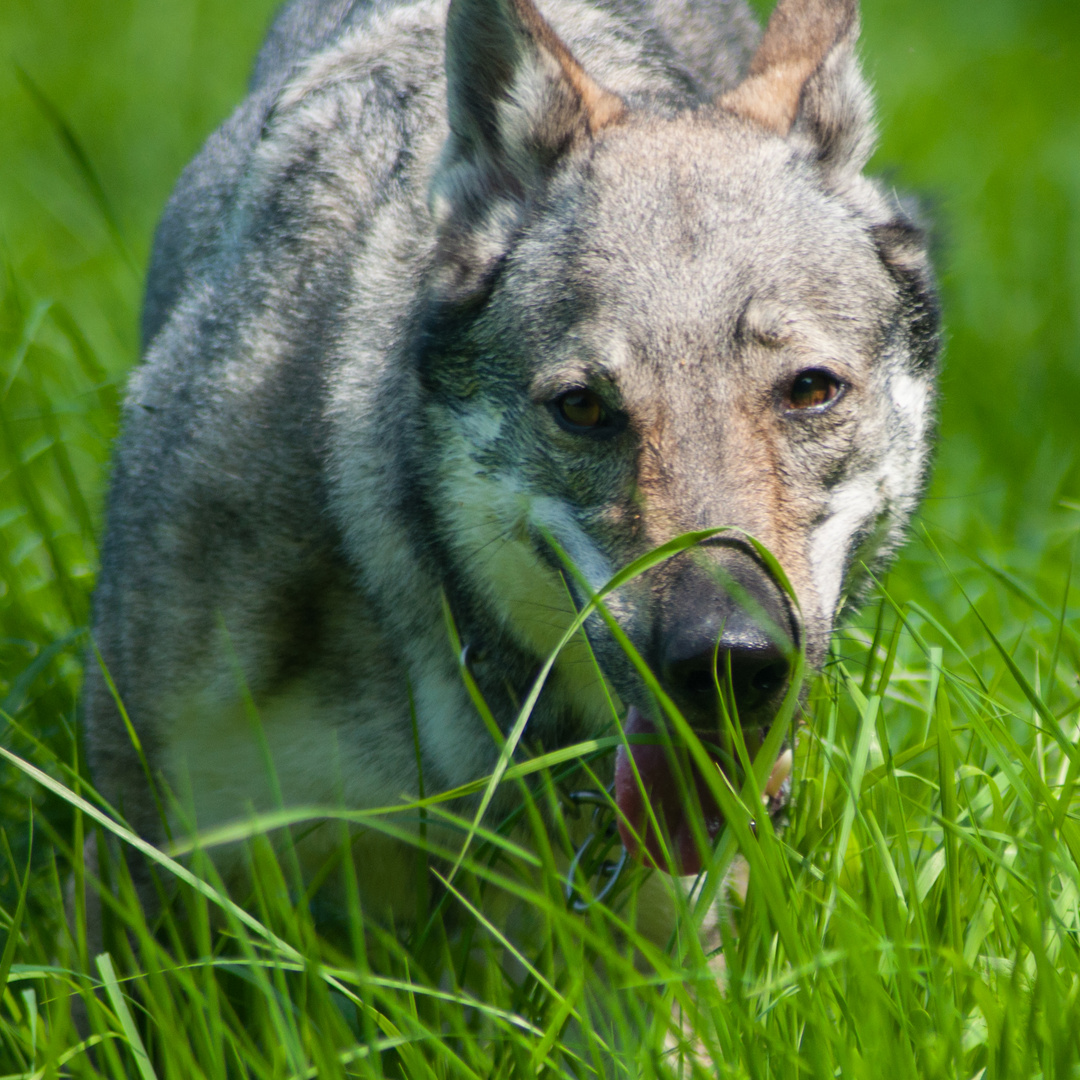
770 678
700 682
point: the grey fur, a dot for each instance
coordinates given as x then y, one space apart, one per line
356 322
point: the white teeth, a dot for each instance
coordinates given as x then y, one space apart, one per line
780 772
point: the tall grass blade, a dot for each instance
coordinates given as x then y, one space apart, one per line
123 1014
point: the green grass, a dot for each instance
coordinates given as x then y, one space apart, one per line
921 915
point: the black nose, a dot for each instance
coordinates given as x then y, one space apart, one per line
724 624
696 666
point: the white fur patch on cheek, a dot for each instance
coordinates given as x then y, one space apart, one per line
488 519
555 518
481 427
851 505
492 522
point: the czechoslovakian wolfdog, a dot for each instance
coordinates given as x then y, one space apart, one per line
461 312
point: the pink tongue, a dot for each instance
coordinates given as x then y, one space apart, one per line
671 802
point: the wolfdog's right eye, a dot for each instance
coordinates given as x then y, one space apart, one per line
812 389
581 410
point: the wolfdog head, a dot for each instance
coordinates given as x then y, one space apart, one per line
647 320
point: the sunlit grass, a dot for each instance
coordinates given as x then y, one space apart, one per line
919 917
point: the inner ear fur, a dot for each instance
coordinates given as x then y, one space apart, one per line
805 78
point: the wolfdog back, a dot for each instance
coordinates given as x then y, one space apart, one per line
458 299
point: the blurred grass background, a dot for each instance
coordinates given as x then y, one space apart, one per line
102 104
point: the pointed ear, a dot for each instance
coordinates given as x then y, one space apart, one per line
805 79
517 101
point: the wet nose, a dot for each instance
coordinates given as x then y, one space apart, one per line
695 668
713 623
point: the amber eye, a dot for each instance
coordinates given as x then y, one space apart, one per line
812 389
581 409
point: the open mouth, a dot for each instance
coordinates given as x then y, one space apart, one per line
679 797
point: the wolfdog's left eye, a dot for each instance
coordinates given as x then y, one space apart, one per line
581 409
812 389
